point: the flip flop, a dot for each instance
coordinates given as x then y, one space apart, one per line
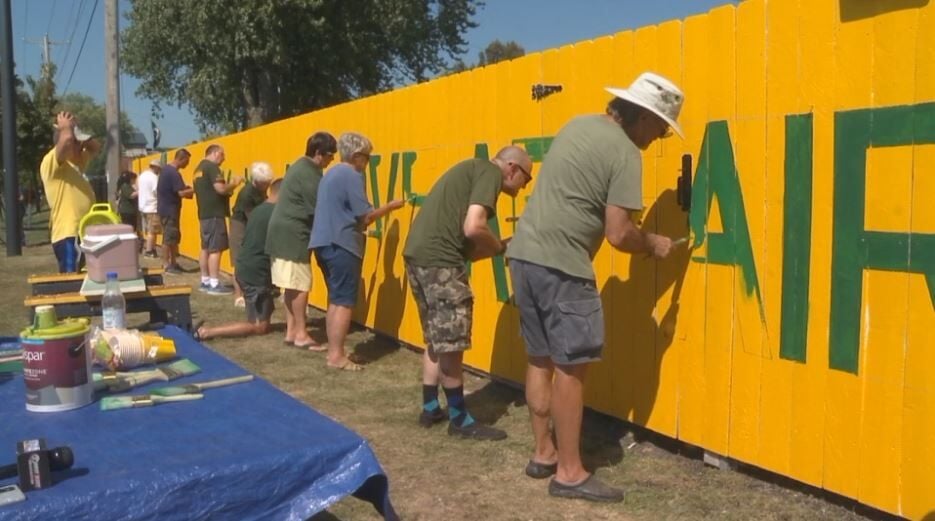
311 346
348 365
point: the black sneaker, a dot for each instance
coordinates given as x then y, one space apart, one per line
476 431
430 418
151 254
591 489
174 269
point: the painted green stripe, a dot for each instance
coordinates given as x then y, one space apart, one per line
375 194
499 266
536 147
851 137
797 237
394 173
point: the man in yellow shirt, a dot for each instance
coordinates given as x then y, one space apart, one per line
69 193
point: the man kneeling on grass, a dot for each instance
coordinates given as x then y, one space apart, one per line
253 274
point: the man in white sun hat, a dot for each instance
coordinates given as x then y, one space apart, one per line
589 188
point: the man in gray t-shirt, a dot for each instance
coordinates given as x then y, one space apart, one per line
589 188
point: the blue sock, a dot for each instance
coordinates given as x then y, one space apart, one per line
429 397
457 411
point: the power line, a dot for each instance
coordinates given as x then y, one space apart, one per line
71 38
80 49
73 18
51 16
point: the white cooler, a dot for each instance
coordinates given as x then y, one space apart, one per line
111 247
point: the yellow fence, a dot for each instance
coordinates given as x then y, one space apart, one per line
793 336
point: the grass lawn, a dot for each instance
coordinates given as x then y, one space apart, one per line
435 477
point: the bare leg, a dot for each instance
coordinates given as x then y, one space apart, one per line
451 367
538 397
567 410
298 306
214 264
337 322
203 263
430 370
234 329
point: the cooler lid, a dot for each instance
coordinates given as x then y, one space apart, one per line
104 230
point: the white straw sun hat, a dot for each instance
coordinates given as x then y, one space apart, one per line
656 94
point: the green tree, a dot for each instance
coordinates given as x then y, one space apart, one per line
241 63
498 51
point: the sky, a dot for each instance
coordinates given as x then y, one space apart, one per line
534 24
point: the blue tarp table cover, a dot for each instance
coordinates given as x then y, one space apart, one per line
247 451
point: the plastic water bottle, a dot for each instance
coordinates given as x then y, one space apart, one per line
113 305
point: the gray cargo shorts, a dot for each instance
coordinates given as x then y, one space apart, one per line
561 316
214 234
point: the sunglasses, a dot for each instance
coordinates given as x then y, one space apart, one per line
523 170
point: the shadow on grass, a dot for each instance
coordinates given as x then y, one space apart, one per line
492 401
375 347
324 516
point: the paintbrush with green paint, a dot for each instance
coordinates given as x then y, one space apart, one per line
177 390
110 403
121 381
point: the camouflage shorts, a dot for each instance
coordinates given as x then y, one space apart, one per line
446 306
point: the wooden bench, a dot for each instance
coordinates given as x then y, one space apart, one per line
166 304
55 283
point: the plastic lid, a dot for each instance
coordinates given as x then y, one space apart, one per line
111 275
63 329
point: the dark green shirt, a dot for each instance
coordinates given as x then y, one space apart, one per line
210 202
253 264
247 199
126 204
436 238
291 223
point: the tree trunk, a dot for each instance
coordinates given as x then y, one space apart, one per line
259 97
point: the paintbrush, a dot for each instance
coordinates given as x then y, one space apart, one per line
121 381
110 403
176 390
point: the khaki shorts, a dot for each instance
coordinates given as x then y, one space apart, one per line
235 237
446 306
152 223
293 275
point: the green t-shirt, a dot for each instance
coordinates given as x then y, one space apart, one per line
126 204
253 264
436 238
591 164
247 199
210 202
291 223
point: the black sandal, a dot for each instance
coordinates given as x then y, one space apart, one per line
537 470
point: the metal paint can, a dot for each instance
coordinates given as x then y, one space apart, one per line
56 363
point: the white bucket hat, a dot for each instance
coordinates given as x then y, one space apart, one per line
656 94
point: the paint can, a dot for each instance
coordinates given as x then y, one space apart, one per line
56 363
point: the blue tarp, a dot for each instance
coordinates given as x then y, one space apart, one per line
247 451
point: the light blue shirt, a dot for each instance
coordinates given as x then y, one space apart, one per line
342 202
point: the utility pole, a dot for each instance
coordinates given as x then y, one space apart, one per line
11 174
112 56
46 47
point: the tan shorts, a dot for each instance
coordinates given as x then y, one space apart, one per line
235 238
151 223
289 274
